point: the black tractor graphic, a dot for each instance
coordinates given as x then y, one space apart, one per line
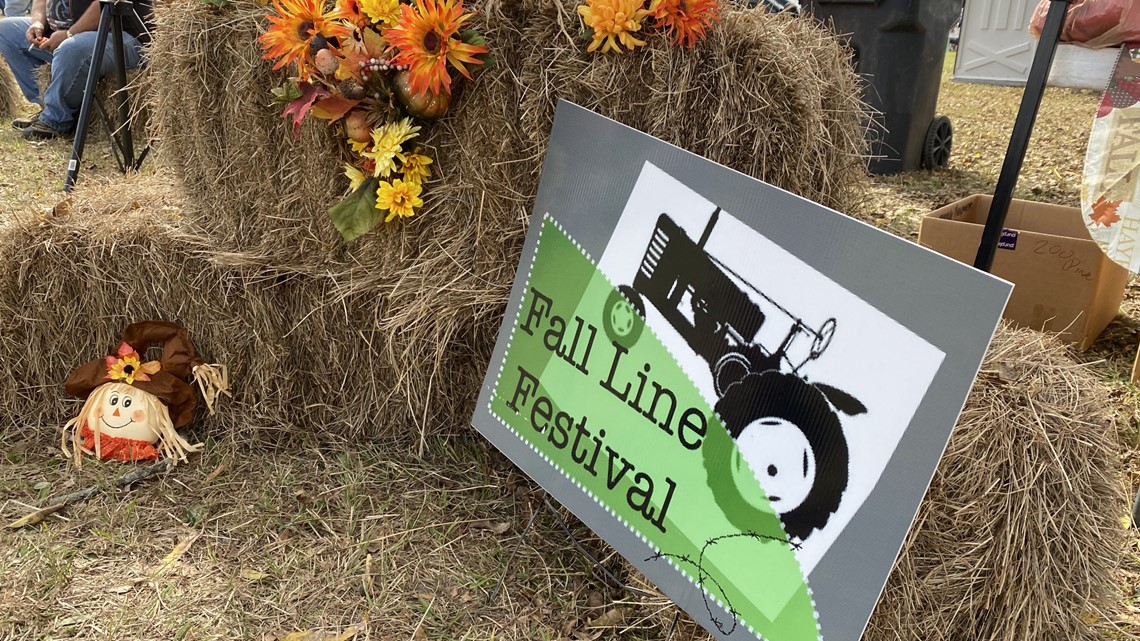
761 389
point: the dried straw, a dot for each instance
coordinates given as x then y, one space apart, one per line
1021 531
10 97
771 96
389 337
425 297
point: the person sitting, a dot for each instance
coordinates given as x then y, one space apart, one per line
63 33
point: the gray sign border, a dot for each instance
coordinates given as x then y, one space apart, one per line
591 166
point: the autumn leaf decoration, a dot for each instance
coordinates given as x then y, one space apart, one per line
1104 212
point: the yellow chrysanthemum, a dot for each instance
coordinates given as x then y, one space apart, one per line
399 198
416 168
359 147
614 22
382 12
386 142
354 175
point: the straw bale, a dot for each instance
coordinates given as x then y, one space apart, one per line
1020 532
121 252
772 96
786 109
10 97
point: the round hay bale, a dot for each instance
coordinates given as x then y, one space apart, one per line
1020 532
11 99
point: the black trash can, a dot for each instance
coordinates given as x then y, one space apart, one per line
900 46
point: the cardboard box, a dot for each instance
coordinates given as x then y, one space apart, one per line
1063 282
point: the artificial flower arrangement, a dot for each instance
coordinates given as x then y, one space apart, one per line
375 68
618 22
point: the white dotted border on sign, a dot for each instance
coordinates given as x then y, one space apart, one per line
490 408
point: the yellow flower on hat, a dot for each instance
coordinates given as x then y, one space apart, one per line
127 368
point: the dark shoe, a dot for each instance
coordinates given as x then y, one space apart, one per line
24 123
39 131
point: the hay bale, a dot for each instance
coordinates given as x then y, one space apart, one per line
254 186
119 252
772 96
11 100
1020 533
787 111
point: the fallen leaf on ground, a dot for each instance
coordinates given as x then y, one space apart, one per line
249 574
35 517
610 619
497 528
217 472
167 562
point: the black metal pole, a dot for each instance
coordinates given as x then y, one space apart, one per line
1022 128
88 95
126 143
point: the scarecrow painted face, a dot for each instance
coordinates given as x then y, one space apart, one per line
781 459
124 411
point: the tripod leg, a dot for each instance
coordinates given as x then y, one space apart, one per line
127 143
88 97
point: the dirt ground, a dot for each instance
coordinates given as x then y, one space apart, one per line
365 541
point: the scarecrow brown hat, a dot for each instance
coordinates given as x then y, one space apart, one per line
168 383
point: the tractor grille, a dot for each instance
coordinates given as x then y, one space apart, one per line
653 252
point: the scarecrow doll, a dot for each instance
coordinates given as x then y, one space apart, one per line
134 408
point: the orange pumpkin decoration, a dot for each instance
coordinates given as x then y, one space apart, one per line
425 105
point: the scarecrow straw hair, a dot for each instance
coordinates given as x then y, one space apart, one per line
213 382
170 444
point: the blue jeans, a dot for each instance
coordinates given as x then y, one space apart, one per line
15 7
70 63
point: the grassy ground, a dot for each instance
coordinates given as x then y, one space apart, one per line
371 542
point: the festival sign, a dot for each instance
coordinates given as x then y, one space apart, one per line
744 392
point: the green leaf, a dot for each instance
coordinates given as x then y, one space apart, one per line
357 213
286 93
473 37
217 3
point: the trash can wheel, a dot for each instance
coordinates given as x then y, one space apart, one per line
939 140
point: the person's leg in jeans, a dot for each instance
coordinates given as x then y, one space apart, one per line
16 8
69 67
22 58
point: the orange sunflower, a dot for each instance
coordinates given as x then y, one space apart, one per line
425 40
352 12
686 20
614 22
292 31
